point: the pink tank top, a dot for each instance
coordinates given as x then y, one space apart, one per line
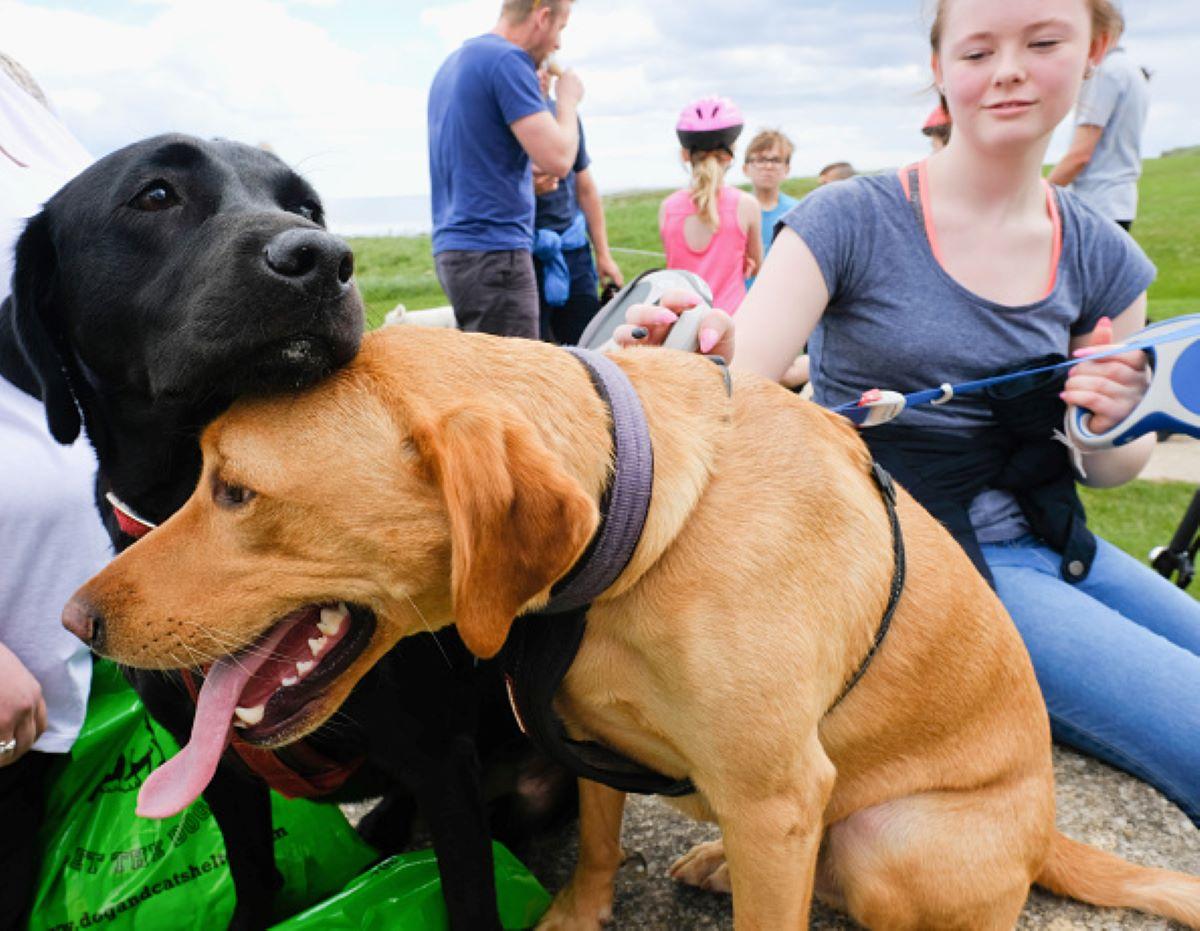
723 262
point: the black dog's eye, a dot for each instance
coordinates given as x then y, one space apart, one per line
310 211
157 195
231 496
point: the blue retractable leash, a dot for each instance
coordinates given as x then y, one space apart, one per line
1171 404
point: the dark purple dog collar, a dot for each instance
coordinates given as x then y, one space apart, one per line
626 501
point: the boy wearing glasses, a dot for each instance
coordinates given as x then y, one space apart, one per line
768 160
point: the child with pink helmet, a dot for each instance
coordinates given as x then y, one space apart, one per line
710 228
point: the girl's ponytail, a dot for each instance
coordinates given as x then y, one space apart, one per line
708 174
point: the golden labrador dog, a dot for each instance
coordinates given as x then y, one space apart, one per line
449 478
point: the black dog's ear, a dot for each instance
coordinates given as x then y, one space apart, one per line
34 273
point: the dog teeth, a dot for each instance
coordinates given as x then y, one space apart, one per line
317 645
248 717
304 668
332 618
290 681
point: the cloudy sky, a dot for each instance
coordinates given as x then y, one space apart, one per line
338 87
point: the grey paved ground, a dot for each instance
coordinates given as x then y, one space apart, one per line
1176 460
1096 804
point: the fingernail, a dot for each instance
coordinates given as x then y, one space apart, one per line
708 339
665 316
639 332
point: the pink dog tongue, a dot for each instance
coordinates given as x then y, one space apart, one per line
180 780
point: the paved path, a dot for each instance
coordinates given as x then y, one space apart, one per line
1175 460
1096 804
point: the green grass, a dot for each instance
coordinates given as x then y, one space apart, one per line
394 270
1139 516
1168 228
1136 517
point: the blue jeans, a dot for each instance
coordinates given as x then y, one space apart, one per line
1117 658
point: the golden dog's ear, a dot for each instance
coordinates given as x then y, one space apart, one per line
518 521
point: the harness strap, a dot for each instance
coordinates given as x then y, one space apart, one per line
899 567
539 652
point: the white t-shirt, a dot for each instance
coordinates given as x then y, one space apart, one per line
51 538
53 542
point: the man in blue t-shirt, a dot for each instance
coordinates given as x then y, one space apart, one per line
488 121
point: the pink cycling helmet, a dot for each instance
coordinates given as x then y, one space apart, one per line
708 124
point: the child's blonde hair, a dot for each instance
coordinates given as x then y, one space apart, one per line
1106 20
708 175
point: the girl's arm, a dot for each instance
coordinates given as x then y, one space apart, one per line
782 309
750 219
662 215
1111 389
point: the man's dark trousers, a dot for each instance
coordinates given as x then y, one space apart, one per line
491 292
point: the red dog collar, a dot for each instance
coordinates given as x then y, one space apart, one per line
128 519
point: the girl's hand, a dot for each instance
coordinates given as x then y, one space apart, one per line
749 267
22 708
648 325
1110 388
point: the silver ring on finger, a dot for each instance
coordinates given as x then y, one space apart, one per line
8 746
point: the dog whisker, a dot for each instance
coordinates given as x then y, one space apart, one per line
430 629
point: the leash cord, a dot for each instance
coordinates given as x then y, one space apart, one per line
945 392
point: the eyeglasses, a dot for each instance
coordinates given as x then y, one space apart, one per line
767 161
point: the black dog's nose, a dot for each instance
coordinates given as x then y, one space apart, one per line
314 259
79 618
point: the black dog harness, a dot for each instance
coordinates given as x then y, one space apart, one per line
542 645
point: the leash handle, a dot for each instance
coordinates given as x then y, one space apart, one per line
1171 403
649 288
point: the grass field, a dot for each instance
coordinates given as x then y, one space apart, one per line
1136 517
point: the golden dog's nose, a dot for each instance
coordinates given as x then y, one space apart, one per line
79 618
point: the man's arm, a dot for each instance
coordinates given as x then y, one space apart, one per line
1083 146
553 142
588 195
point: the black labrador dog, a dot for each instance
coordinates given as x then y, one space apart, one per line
163 282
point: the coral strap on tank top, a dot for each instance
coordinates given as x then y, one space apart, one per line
721 263
915 182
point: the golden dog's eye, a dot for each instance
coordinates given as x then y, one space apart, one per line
157 195
231 496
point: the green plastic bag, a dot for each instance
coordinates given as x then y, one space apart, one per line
103 867
404 893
